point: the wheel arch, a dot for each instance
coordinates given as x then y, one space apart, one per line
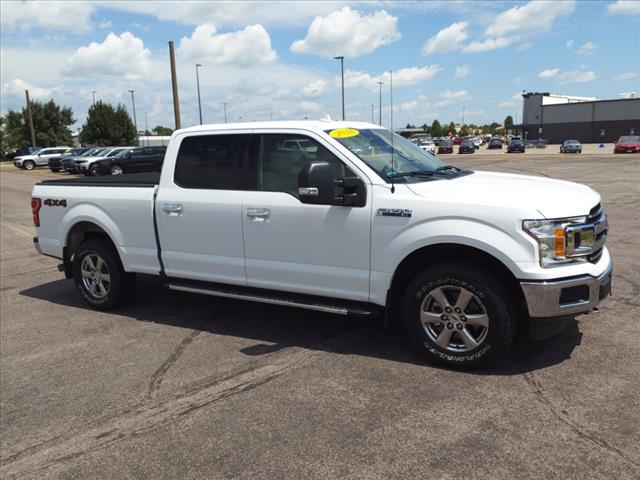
78 233
421 258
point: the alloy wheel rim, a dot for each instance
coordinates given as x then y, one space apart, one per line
96 278
454 318
116 170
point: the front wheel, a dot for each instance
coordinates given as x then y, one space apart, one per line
55 170
458 315
99 275
29 165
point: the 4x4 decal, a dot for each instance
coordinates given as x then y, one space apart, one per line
51 202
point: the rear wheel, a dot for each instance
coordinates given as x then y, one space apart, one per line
29 165
99 275
93 171
116 170
458 315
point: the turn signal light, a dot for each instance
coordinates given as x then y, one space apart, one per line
560 244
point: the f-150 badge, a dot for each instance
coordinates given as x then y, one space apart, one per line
393 212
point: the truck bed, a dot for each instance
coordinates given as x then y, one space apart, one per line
138 180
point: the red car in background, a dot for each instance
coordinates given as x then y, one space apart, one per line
445 147
627 144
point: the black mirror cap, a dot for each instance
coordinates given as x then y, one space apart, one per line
315 183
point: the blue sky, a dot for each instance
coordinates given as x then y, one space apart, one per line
273 59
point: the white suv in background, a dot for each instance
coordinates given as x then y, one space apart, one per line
39 158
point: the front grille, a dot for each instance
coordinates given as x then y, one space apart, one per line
594 257
598 218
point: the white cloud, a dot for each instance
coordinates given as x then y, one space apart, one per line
408 106
315 88
487 45
104 23
576 76
348 32
531 17
446 40
231 13
624 7
515 100
569 44
245 47
122 56
525 46
310 107
587 48
17 86
462 71
626 76
401 78
549 72
53 15
627 94
450 97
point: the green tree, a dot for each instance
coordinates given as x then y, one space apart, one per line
162 131
451 128
493 126
508 123
425 127
50 122
436 129
106 125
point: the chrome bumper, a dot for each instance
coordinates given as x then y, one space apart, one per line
557 298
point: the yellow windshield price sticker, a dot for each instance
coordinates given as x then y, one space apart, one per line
344 132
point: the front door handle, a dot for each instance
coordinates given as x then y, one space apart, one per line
258 214
172 208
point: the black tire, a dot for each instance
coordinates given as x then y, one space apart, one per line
121 285
93 171
55 170
29 164
490 299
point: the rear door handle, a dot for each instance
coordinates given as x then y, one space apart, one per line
172 208
258 214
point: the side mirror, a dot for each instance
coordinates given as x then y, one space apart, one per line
316 184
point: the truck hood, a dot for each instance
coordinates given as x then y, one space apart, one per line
551 198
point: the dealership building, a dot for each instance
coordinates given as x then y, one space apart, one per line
556 118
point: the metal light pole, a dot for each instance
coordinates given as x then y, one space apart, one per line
380 104
372 113
135 122
174 86
224 106
462 117
94 97
146 128
198 83
342 74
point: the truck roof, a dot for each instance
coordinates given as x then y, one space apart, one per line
315 125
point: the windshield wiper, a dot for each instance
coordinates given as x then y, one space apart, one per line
418 173
448 167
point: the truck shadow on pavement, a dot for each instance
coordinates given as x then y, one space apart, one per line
275 328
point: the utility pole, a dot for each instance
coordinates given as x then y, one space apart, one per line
342 73
198 83
515 127
462 117
30 115
372 113
146 128
174 85
135 122
224 106
380 104
94 97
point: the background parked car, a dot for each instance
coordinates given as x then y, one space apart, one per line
571 146
445 147
130 160
19 152
428 146
627 144
55 163
516 146
495 143
467 146
68 163
39 158
85 166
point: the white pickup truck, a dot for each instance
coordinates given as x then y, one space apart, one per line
359 222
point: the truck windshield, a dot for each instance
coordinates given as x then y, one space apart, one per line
389 158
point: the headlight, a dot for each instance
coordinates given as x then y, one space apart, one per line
552 237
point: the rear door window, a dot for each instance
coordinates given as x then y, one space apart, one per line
211 162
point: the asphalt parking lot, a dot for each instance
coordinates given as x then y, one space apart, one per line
182 386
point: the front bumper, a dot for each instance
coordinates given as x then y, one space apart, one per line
558 298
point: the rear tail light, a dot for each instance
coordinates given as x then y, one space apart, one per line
36 203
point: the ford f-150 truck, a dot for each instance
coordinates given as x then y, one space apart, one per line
359 222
